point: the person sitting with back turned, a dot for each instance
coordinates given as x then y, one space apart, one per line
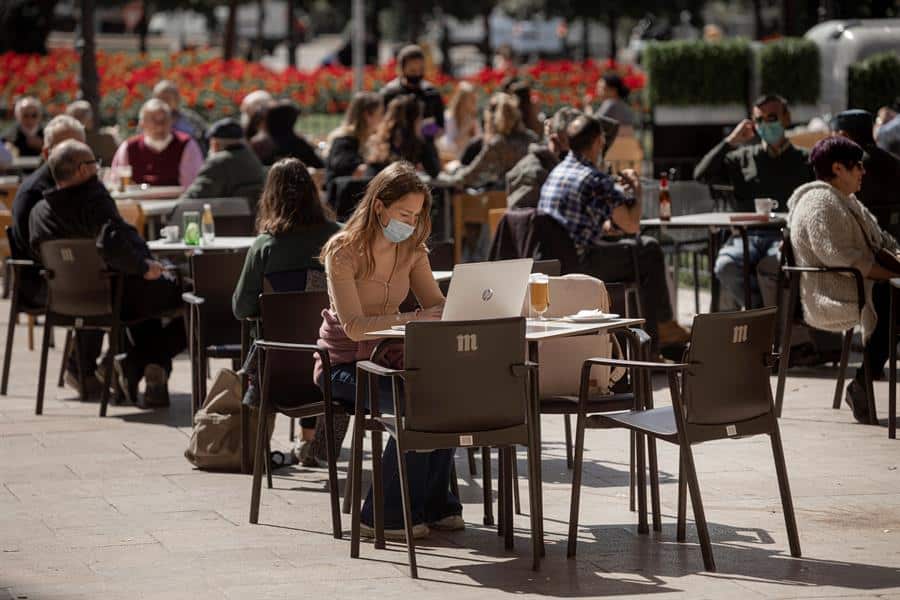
593 209
347 143
831 228
103 144
371 265
231 169
80 207
881 180
159 155
293 226
399 137
276 138
772 168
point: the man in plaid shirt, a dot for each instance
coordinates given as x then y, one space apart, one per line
597 213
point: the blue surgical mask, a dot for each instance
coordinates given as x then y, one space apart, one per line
770 132
397 231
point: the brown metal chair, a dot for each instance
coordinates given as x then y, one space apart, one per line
214 332
789 283
724 393
442 409
290 323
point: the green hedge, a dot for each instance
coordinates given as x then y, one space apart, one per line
790 67
686 72
875 82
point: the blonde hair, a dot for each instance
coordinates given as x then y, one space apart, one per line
455 107
393 183
361 106
503 115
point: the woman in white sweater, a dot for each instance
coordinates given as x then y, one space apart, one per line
831 228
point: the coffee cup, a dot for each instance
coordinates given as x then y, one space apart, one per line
764 206
170 233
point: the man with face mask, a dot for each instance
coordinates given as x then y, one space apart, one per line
769 168
411 80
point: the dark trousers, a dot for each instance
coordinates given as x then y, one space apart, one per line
148 341
428 472
614 261
877 348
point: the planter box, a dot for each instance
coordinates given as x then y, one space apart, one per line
699 114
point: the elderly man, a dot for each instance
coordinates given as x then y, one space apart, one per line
253 110
80 207
159 155
183 119
102 143
231 169
26 137
769 168
592 208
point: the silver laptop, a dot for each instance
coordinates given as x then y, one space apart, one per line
487 290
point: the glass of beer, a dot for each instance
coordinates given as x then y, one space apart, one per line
539 291
124 176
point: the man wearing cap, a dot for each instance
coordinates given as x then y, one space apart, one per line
231 169
881 181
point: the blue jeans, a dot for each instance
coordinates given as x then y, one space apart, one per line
428 473
729 267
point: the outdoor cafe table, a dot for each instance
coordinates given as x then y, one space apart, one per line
714 221
22 164
156 212
221 244
148 192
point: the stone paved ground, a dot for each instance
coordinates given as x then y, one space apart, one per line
109 508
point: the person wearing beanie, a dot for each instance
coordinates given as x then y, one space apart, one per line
881 181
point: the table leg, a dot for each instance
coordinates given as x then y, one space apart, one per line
746 247
714 287
892 367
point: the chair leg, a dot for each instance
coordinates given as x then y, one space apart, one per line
640 450
486 486
515 481
354 482
654 485
67 348
785 345
473 470
632 472
681 530
507 457
42 373
30 321
870 390
574 504
268 457
108 374
696 269
501 492
348 485
699 516
568 429
407 512
535 508
784 488
259 462
10 334
842 369
892 367
332 474
378 489
292 433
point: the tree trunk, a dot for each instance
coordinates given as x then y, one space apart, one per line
230 31
613 18
90 85
415 21
292 35
142 27
789 17
260 20
757 19
486 40
585 38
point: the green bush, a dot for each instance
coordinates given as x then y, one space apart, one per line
875 82
686 72
790 67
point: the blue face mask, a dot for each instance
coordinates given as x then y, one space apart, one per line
397 231
770 133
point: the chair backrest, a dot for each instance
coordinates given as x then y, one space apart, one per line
494 216
6 244
729 356
551 240
473 208
291 317
79 284
440 255
344 193
574 292
463 378
132 213
232 216
215 275
550 267
787 250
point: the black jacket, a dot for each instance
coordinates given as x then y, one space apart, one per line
524 181
30 193
427 94
16 137
343 158
88 211
881 183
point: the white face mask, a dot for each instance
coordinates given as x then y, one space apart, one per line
157 145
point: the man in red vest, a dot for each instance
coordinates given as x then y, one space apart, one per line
159 155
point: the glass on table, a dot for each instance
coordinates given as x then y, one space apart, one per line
124 173
539 293
191 227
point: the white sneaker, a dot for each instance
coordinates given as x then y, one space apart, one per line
419 531
449 523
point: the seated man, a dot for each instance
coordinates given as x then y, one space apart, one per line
253 110
881 179
231 169
80 207
103 143
26 137
770 168
590 206
159 155
183 119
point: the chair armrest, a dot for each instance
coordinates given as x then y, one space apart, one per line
376 369
290 347
635 364
524 368
192 298
860 282
20 262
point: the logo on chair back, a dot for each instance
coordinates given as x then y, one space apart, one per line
739 335
67 255
487 294
467 342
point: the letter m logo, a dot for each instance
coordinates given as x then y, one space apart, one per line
467 342
739 335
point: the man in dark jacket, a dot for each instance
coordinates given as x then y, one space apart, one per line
80 207
231 169
411 80
881 181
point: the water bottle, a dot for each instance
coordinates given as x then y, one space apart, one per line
208 226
